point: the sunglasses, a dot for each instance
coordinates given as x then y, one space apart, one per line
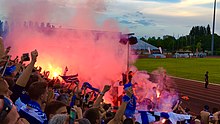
6 107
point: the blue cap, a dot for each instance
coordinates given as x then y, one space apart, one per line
10 70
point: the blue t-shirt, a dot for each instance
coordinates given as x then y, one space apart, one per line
131 107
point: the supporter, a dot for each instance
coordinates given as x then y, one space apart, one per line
63 98
118 118
83 121
22 81
20 96
216 115
51 91
128 121
99 99
10 81
4 88
33 111
197 119
59 119
55 107
205 115
104 111
8 112
93 115
131 106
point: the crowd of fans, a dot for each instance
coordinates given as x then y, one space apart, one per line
27 95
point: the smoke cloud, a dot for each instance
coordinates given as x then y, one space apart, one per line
89 48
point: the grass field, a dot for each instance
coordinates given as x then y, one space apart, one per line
190 68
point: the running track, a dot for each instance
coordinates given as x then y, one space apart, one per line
198 95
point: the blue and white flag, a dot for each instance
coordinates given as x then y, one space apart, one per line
33 114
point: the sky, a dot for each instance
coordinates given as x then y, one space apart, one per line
145 18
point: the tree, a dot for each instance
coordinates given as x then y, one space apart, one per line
199 38
199 46
168 43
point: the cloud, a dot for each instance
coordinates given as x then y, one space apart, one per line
125 16
144 22
162 29
139 13
169 7
136 18
125 22
170 15
133 27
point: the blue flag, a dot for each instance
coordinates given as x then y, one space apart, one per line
88 85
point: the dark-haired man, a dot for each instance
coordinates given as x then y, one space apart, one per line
33 111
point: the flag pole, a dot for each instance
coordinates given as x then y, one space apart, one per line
5 66
128 62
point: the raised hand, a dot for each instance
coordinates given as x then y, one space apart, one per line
106 88
34 55
7 50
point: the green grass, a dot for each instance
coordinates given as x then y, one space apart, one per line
190 68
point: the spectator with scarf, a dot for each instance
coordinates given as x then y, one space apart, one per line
20 96
33 111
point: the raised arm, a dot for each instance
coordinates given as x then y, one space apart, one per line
23 79
181 108
177 105
99 99
2 49
119 114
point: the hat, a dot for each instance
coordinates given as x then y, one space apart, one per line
10 70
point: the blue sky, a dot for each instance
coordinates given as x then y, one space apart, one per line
146 18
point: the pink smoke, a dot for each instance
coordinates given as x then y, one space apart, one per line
96 55
91 48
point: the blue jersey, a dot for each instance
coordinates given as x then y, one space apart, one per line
131 107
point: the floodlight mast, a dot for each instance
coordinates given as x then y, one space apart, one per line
213 29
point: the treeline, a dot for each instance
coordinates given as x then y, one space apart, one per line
199 38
